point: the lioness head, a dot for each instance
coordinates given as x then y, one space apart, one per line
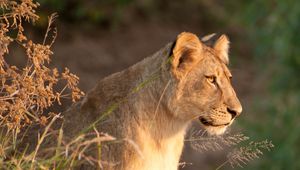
203 83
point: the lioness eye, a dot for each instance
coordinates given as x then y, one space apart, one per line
211 79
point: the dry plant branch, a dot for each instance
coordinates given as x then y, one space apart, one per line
26 92
239 156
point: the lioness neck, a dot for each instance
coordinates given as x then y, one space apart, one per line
159 135
159 138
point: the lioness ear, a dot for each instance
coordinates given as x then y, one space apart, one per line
186 53
222 48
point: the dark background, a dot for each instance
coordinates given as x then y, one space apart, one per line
97 38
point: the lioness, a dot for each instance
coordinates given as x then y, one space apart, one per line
155 100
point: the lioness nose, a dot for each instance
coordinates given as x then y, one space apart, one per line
234 112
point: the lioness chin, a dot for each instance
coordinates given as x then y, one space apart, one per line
184 81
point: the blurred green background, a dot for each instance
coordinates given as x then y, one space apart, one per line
97 38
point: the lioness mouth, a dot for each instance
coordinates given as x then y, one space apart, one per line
209 123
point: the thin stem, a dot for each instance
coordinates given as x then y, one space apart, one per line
223 164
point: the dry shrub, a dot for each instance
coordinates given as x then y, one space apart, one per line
26 92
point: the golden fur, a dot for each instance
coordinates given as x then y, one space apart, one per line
150 123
